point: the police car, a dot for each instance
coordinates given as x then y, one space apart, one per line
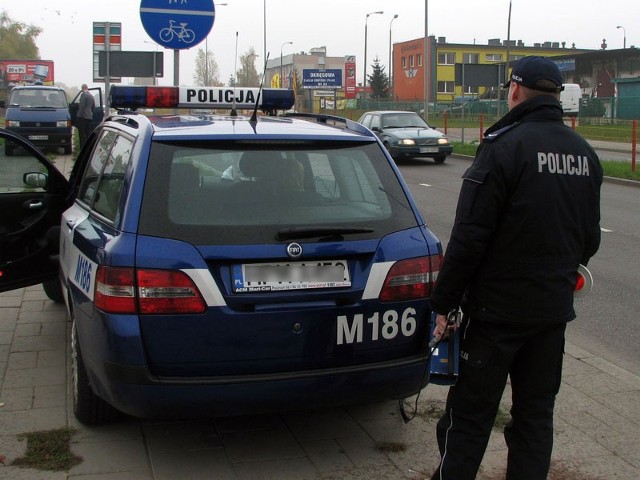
224 264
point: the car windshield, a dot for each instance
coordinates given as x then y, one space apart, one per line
403 120
228 194
39 98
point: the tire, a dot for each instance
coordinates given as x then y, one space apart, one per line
67 150
53 289
8 150
440 158
88 408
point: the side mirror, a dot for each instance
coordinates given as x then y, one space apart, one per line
35 179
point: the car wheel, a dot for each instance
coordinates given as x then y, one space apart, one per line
87 406
8 150
53 289
67 150
440 158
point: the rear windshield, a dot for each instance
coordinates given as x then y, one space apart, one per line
38 98
237 194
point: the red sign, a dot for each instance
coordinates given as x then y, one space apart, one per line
25 72
350 76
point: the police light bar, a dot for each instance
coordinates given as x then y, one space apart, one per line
241 98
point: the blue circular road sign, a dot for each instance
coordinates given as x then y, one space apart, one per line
177 24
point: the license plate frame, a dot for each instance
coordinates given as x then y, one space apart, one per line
287 276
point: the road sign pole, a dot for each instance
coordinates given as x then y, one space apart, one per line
176 67
107 76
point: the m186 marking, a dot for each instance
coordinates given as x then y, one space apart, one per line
391 325
83 274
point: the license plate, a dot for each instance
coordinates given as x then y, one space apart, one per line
269 277
428 149
38 137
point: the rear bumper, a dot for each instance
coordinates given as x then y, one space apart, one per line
133 391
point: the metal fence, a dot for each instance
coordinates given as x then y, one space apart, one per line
601 110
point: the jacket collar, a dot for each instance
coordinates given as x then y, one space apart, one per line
541 107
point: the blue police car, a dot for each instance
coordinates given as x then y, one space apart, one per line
224 264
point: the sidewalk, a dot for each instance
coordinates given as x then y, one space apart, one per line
597 424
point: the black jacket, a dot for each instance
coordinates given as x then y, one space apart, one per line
527 215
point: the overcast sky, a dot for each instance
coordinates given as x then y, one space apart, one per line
337 24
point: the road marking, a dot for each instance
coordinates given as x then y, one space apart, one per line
605 230
424 184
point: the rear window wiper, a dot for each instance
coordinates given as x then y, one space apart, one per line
313 232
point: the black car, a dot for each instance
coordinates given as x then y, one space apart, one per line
407 135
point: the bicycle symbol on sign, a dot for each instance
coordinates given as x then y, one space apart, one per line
181 31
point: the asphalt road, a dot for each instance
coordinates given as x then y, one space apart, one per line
607 323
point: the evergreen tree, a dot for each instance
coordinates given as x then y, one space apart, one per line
378 81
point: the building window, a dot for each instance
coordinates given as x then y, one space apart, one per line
404 62
446 87
494 57
411 61
446 58
419 59
470 58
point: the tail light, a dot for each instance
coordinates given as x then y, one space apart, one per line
150 292
411 279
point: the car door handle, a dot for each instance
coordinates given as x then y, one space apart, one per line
71 224
37 205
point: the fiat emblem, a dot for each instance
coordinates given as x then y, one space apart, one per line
294 250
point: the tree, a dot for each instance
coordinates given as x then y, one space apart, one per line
18 40
207 72
247 76
378 80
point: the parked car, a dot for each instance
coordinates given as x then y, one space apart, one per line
216 265
43 115
407 135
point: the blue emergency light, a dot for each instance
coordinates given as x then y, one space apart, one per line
268 99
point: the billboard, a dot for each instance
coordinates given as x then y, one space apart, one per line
25 72
131 64
322 78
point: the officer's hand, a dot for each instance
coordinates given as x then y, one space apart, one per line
441 326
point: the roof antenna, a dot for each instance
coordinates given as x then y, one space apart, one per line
254 117
234 113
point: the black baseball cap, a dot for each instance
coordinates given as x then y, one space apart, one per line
528 71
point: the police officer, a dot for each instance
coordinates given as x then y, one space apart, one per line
85 114
528 214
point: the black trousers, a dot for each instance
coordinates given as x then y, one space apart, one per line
532 356
82 124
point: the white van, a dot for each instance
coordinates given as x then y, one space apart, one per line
570 99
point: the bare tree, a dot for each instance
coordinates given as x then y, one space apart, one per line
248 76
207 72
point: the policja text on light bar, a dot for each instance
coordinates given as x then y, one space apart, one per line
271 99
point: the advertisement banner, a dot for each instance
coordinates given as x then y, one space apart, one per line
350 76
25 72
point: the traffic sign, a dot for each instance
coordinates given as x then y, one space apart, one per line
177 24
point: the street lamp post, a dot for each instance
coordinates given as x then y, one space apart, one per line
364 83
285 43
390 60
624 39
